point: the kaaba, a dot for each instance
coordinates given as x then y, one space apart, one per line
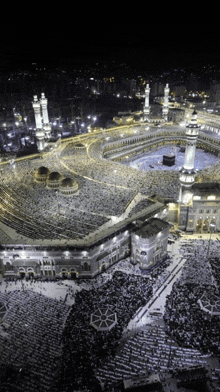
169 160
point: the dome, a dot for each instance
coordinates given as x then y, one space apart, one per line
53 180
54 176
68 186
79 145
42 171
67 183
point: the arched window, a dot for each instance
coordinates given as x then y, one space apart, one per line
86 267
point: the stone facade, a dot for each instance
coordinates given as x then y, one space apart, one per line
146 243
149 243
202 214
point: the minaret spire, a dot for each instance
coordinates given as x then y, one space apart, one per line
146 103
165 104
46 125
187 176
43 102
37 113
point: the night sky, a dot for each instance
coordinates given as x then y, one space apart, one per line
142 38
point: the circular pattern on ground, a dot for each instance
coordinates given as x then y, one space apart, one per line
210 303
103 319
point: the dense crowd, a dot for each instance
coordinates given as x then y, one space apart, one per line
38 212
147 351
106 189
185 319
64 335
30 341
85 347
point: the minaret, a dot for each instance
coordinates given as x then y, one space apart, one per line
46 125
37 113
165 104
43 102
146 103
40 138
187 176
40 135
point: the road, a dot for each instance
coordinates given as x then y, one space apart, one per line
157 302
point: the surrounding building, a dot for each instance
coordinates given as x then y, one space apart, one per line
43 128
202 213
149 243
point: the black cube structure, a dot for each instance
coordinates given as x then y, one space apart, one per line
169 160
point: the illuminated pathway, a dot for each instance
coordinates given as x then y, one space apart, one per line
157 302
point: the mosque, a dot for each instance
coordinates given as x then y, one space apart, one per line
75 210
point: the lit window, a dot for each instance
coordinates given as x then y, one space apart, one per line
211 198
196 197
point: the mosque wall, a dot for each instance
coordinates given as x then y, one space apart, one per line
90 261
201 216
149 250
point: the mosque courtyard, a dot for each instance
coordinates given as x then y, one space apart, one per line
46 337
153 160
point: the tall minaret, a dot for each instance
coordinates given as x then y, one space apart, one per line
37 113
146 103
43 102
46 125
165 104
187 176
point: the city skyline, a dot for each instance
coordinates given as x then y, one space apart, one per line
143 44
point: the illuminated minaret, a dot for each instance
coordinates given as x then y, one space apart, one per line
40 139
146 103
40 135
46 125
43 102
187 176
165 103
37 113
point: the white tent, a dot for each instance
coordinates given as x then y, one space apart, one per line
103 319
210 303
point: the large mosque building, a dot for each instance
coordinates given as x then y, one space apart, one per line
78 208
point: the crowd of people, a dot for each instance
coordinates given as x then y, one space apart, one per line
41 331
38 212
185 318
147 351
30 207
31 341
40 344
84 346
90 358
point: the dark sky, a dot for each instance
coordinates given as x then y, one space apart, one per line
140 39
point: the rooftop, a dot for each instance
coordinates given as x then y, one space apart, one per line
152 227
